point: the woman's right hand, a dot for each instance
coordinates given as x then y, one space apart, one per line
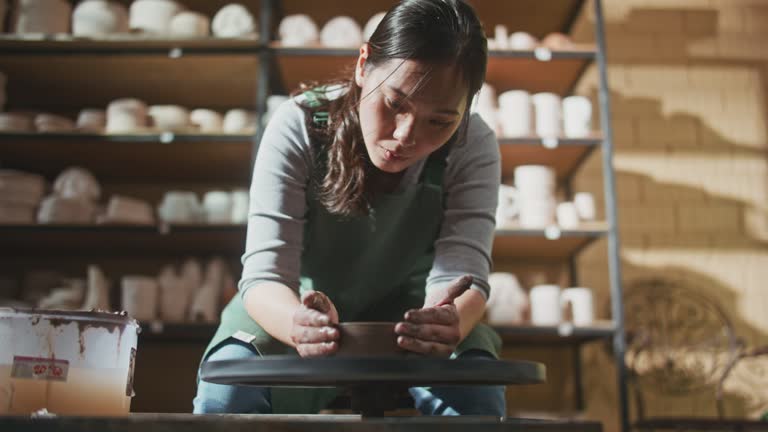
314 332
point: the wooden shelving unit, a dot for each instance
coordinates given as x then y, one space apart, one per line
155 158
553 243
240 73
510 243
534 16
124 44
565 334
565 155
111 240
506 69
92 80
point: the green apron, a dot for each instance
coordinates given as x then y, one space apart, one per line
373 268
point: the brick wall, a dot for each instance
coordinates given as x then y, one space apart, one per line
689 87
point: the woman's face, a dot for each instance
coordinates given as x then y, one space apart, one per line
407 110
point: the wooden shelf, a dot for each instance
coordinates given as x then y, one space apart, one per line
521 70
507 70
564 334
143 158
534 16
512 242
34 87
150 137
121 240
565 158
307 64
113 45
63 83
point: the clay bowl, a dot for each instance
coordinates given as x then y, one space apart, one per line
368 339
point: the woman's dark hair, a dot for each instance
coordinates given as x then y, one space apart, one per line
436 32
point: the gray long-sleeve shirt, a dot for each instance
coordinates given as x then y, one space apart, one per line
277 206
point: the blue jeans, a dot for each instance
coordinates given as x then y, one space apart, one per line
470 400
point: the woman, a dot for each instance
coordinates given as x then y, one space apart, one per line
373 200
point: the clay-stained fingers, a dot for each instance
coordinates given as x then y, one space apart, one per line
316 300
310 317
444 315
455 289
307 335
317 349
448 335
432 349
320 302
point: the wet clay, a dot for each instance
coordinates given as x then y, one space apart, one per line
368 339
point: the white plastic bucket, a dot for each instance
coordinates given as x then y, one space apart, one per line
70 363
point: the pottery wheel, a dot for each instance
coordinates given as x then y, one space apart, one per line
372 382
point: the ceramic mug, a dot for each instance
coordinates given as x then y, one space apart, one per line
581 303
486 97
577 116
522 41
515 113
240 200
567 215
508 302
218 207
545 305
501 35
140 297
547 108
179 207
535 181
585 205
506 210
536 213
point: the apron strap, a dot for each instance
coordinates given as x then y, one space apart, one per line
315 98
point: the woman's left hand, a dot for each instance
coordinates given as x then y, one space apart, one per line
434 329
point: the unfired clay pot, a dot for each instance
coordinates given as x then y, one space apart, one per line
368 339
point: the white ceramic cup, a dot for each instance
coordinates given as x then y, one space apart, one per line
577 116
508 302
372 25
516 113
140 297
548 112
179 207
536 213
486 97
501 35
567 215
240 201
582 305
218 207
506 209
585 205
535 181
522 41
545 305
239 121
491 117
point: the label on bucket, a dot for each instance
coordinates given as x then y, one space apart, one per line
40 368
